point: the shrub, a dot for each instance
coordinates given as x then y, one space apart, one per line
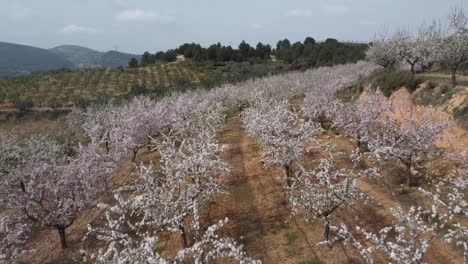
431 85
182 84
434 96
102 99
55 103
390 81
460 114
81 102
137 89
24 104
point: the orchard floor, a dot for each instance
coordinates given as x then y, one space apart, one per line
259 216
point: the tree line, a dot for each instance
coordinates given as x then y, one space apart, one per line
308 53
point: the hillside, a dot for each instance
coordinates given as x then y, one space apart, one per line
66 86
255 198
83 57
18 59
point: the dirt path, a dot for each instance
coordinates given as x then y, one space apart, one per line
257 208
250 212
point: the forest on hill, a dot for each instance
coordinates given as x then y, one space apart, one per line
299 55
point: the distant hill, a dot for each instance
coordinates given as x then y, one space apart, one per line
83 57
18 59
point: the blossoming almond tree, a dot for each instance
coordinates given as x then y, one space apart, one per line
408 140
196 166
406 241
48 187
166 200
361 118
281 132
382 52
447 202
14 232
320 193
130 240
413 230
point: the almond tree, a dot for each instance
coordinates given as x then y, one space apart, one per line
447 202
281 132
453 47
49 188
407 240
429 37
363 118
458 234
133 241
165 200
136 122
318 101
14 233
320 193
409 140
409 48
196 167
382 52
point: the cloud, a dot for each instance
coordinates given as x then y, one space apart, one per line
256 26
366 22
140 15
299 13
72 28
336 9
17 12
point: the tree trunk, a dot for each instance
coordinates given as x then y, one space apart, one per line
183 236
408 173
359 145
454 77
288 175
326 233
135 151
412 70
63 239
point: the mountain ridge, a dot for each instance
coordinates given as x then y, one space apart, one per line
18 59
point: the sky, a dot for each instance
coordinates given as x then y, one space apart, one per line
136 26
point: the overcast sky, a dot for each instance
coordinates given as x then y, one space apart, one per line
139 25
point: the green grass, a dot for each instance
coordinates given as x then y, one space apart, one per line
390 81
460 114
291 238
311 261
434 94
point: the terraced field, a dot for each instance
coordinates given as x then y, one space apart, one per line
66 86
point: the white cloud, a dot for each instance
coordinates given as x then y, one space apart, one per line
256 26
336 9
299 13
366 22
72 28
141 15
17 12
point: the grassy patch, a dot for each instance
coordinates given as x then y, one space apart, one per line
262 232
291 238
433 94
311 261
390 81
460 114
